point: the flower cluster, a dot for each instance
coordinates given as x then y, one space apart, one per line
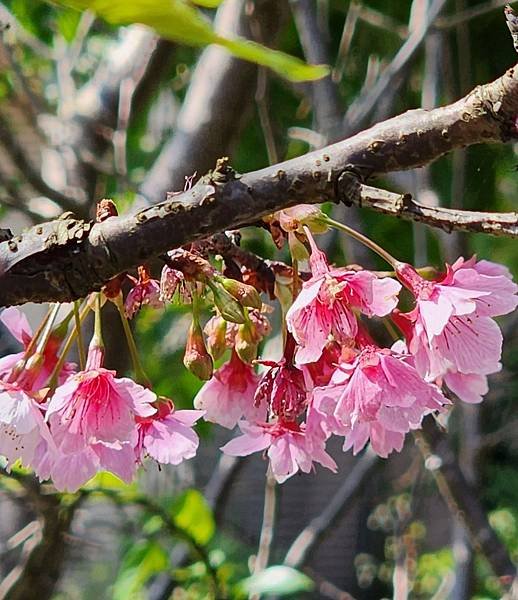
91 421
334 375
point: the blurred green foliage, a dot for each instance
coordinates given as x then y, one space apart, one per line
489 182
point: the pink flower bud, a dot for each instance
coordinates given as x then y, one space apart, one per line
196 358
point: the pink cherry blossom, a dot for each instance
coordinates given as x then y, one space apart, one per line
289 448
453 334
327 301
17 324
73 469
229 394
96 406
378 396
22 425
168 436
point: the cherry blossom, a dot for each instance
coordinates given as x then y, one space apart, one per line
146 291
230 395
22 425
327 303
378 396
453 335
95 406
288 447
168 435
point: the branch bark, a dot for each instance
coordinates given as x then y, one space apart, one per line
41 267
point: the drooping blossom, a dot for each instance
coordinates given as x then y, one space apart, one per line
229 395
168 435
379 396
453 335
95 406
22 426
326 304
18 326
76 465
24 435
172 286
145 292
288 447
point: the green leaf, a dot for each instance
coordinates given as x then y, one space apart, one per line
191 513
288 66
207 3
181 22
279 580
141 562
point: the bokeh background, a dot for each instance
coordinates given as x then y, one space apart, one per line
91 110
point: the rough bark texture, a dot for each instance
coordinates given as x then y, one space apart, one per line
67 259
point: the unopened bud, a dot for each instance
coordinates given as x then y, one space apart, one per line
216 337
196 358
245 294
246 343
229 308
297 249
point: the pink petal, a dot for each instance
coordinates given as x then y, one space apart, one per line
16 322
468 387
255 440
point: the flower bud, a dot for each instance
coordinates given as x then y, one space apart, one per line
228 306
196 358
246 343
245 294
297 249
216 330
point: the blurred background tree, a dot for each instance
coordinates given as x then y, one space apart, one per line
92 109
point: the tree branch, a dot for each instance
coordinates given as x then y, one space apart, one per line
463 501
337 507
40 267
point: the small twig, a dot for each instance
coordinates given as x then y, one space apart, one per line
365 103
382 21
264 115
326 588
469 13
338 505
448 219
325 98
267 528
25 37
19 157
346 40
463 500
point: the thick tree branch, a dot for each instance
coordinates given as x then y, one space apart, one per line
42 266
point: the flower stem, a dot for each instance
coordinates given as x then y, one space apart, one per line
360 238
80 340
140 374
53 380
